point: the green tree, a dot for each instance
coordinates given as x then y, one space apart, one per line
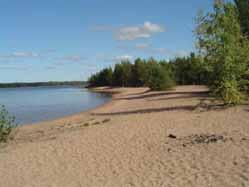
6 124
189 70
151 63
139 73
93 80
122 75
243 11
101 78
159 78
106 77
221 43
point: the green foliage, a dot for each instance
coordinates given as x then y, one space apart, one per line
225 50
243 11
122 74
182 70
159 78
244 83
6 124
106 76
190 70
141 73
102 78
228 90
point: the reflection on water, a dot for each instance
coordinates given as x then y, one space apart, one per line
30 105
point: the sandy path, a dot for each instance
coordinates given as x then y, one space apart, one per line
126 143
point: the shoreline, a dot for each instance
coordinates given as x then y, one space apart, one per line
86 112
139 138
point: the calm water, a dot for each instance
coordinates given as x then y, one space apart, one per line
31 105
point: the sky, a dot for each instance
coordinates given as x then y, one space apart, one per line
59 40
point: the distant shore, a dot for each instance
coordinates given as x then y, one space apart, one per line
38 84
180 137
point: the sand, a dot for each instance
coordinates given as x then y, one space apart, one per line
140 138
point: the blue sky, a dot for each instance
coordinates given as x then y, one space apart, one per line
69 40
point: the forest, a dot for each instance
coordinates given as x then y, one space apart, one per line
221 60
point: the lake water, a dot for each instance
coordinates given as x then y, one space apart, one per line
35 104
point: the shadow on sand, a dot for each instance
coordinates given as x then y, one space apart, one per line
202 93
206 103
199 107
149 110
144 92
202 106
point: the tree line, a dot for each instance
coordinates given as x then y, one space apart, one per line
38 84
222 60
158 75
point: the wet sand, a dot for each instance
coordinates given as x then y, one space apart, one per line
141 138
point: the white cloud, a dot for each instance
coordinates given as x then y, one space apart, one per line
135 32
25 54
20 55
13 67
72 58
122 33
113 59
122 58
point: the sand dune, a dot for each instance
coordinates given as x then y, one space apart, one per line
177 138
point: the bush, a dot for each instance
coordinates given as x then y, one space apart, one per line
244 83
244 86
159 79
229 92
6 124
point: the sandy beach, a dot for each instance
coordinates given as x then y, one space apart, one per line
178 138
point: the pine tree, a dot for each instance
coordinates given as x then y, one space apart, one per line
243 12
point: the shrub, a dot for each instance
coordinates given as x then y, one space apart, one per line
6 124
159 79
244 83
229 92
244 86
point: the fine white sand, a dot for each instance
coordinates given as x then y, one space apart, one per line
126 143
